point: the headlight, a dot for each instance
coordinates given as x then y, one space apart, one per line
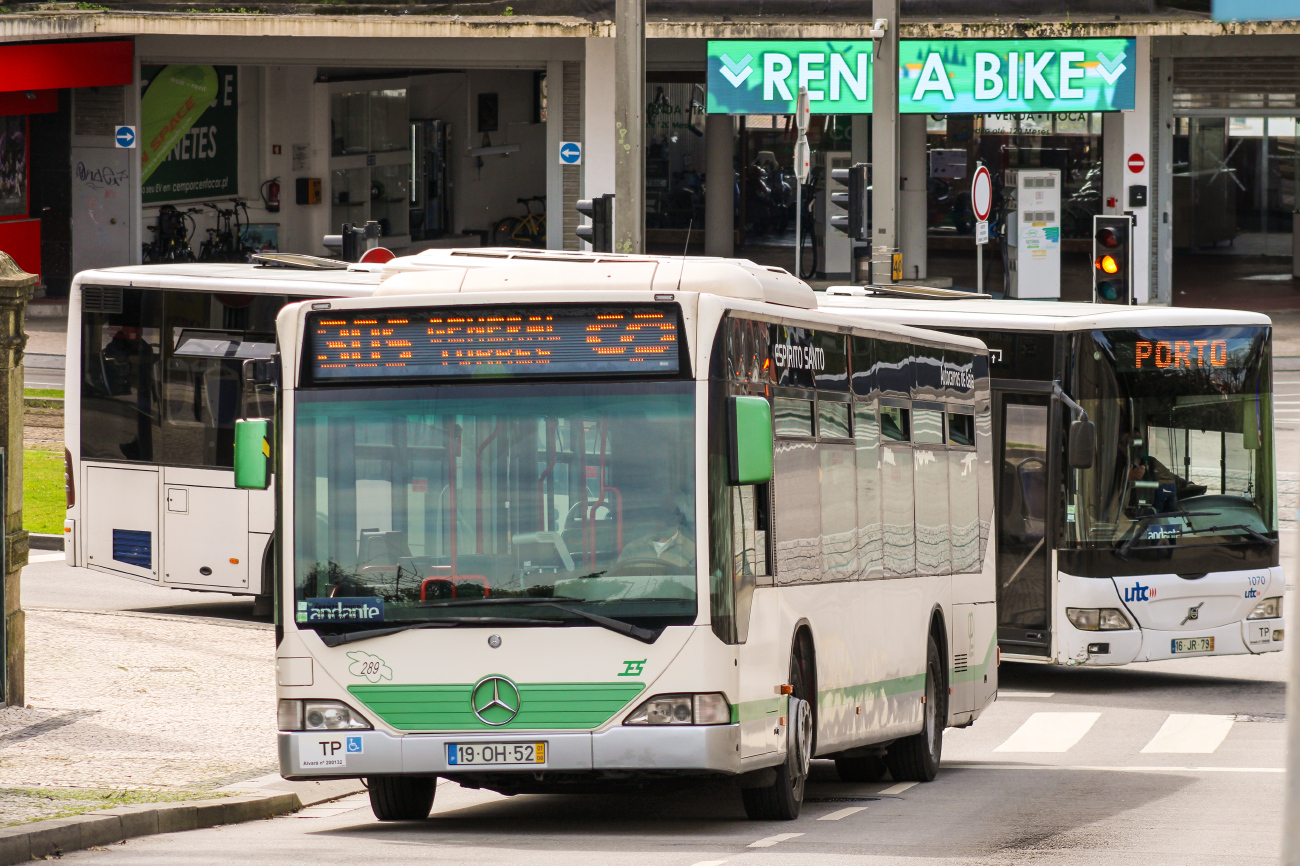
706 709
1269 608
1097 619
320 716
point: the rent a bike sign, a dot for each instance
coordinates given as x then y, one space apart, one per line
936 76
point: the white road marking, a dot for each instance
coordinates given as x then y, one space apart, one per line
843 813
709 863
1189 734
772 840
46 557
1003 693
979 765
1049 732
899 788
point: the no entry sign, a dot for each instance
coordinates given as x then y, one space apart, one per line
981 193
1136 163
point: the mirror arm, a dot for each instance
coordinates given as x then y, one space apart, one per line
1080 413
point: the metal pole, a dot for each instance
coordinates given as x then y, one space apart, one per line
979 268
798 224
629 126
884 142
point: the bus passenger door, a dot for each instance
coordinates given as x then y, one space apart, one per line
1023 473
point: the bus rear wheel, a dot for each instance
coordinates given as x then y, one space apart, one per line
916 758
782 800
401 798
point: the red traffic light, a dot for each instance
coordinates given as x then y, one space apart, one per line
1107 238
1107 264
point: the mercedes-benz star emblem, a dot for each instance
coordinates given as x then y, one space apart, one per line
495 700
494 641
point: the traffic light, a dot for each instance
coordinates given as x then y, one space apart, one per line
600 234
1112 259
853 195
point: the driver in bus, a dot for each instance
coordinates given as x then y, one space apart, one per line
1141 466
668 536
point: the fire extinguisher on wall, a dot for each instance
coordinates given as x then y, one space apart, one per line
271 195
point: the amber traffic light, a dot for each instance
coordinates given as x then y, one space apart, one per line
1107 264
1112 259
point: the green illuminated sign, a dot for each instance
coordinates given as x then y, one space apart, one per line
936 76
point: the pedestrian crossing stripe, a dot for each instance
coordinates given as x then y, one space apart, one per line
1180 734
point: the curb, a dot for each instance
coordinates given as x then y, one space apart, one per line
53 838
44 541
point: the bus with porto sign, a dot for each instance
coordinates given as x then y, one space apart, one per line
1134 469
550 521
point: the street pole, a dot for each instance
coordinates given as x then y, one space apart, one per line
884 141
629 126
801 166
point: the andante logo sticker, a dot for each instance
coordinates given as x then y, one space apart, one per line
323 610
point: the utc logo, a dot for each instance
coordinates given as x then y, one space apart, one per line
1252 593
1137 592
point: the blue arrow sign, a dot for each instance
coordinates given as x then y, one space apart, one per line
124 136
570 153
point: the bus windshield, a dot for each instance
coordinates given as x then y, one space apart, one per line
1184 432
439 503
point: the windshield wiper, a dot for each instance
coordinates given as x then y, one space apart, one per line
644 635
1255 534
1122 550
441 622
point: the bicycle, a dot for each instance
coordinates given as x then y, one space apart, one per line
526 231
171 241
225 243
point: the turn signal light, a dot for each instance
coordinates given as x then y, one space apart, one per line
1107 264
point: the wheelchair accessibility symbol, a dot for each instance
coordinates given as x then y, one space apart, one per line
354 745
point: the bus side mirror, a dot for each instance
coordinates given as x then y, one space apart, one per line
253 454
749 430
1083 444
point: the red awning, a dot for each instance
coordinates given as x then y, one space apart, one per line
53 65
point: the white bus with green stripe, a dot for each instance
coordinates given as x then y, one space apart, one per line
553 521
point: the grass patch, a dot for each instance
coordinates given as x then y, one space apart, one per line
44 501
24 805
43 392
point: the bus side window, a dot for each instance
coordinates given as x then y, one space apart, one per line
963 492
898 513
866 430
749 529
933 529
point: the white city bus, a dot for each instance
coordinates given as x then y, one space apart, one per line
1165 545
153 389
553 520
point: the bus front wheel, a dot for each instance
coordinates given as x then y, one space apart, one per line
401 798
782 800
916 758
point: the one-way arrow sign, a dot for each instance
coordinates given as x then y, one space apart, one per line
570 153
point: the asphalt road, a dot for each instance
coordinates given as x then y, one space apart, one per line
1166 763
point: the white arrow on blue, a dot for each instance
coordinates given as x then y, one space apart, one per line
570 152
124 136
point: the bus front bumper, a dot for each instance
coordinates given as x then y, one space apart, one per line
350 754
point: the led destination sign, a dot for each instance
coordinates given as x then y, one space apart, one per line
465 342
1190 354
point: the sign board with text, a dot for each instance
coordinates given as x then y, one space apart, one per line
189 132
936 76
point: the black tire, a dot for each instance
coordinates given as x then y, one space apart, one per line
869 769
401 798
916 758
782 800
503 232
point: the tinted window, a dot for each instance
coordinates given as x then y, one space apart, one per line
792 417
961 428
894 368
864 365
833 420
894 423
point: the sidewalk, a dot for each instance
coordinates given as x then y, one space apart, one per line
155 707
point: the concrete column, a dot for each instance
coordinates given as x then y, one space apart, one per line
629 123
720 188
860 150
598 119
1162 173
1125 133
884 144
15 290
912 218
554 171
137 230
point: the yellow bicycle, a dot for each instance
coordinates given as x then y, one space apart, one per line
526 231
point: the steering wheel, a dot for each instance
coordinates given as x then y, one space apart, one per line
642 565
580 511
